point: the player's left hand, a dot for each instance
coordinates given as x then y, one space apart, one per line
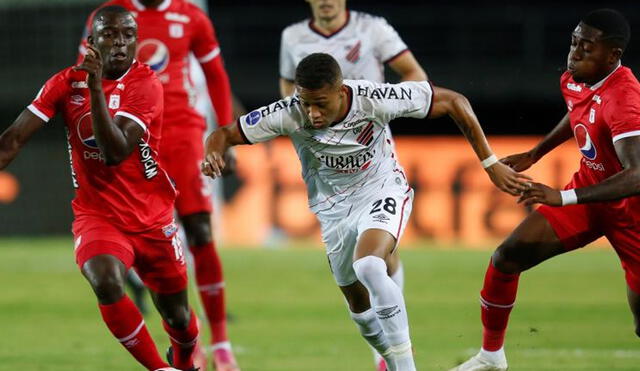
507 179
92 64
538 193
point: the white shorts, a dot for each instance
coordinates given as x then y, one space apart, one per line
388 208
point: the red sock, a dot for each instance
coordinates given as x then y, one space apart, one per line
183 342
126 324
211 288
496 298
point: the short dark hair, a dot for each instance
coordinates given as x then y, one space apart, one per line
316 70
109 9
614 26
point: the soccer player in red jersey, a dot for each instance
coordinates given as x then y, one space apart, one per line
603 102
112 106
169 30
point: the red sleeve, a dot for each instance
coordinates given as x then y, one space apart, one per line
142 100
219 90
207 50
204 43
622 111
46 103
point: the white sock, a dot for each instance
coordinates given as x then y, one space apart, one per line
398 276
496 357
386 299
403 356
372 332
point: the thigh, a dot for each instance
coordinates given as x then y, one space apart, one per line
387 211
160 260
339 237
181 155
545 233
94 236
625 240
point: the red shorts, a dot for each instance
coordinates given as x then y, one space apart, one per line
578 225
156 255
181 155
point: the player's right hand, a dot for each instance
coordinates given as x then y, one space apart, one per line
507 179
213 165
519 162
92 64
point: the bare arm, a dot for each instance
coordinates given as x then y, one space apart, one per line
626 183
560 134
118 137
408 68
287 87
216 146
17 135
456 106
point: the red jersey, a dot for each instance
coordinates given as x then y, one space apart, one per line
135 195
166 36
600 115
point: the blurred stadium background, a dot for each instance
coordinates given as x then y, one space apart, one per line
505 56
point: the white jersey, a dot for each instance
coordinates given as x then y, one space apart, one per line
341 160
362 46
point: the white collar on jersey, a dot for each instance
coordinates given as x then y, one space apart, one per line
161 8
599 83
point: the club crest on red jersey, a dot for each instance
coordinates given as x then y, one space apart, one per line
85 131
585 144
153 53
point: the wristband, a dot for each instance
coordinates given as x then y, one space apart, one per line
569 197
489 161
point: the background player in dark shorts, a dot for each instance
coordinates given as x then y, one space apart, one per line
603 102
112 107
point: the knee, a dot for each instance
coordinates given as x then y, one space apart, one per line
177 317
106 277
368 268
197 227
504 260
108 288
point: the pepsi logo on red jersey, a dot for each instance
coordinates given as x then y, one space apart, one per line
153 53
585 144
85 131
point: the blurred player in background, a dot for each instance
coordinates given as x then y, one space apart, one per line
355 186
603 100
169 30
123 209
362 44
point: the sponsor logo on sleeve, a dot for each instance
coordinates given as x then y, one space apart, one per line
253 118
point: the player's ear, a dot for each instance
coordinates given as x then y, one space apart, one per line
90 40
615 55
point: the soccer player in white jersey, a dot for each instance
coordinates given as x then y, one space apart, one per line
355 186
362 44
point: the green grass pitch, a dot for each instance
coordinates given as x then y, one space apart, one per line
571 313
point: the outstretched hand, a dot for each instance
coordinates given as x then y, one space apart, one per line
92 64
519 162
507 179
538 193
213 165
